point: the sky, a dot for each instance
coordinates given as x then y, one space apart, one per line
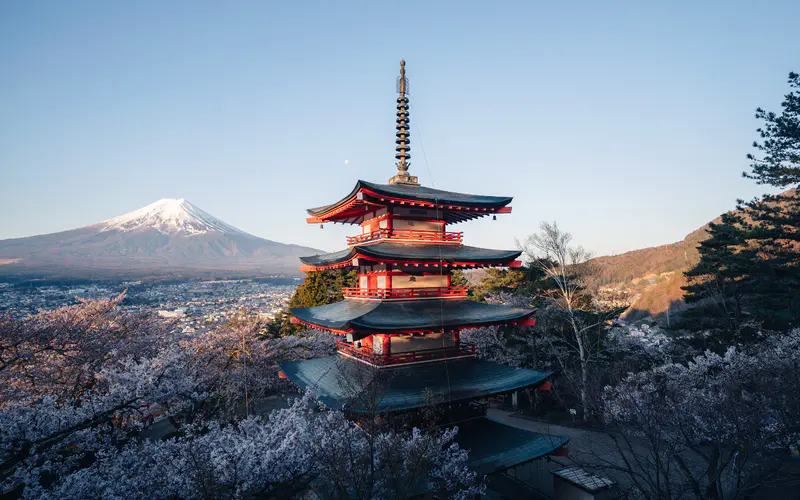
626 122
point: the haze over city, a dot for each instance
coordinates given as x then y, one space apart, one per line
255 111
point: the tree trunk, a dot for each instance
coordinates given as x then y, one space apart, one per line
584 381
584 370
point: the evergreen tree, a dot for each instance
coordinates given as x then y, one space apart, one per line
526 281
779 164
322 287
458 278
775 232
717 284
748 276
776 264
496 281
318 289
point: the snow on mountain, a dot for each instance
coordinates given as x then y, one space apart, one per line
170 215
171 237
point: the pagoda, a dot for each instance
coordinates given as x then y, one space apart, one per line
400 327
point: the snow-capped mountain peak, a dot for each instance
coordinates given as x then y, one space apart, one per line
170 216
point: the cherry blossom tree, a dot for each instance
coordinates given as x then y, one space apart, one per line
718 427
59 352
81 383
80 378
304 446
242 365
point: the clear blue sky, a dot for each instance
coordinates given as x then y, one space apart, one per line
627 122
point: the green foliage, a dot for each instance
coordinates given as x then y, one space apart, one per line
322 287
780 142
776 264
457 278
526 281
497 281
719 281
748 276
318 289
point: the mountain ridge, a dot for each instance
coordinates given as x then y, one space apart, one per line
655 274
169 237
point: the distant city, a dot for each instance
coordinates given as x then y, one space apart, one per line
194 306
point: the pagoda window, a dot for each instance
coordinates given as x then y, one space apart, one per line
418 225
424 281
381 282
363 281
416 212
410 343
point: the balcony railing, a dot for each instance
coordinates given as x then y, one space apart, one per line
404 293
407 234
367 355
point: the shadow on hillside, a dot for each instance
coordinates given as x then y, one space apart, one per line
663 315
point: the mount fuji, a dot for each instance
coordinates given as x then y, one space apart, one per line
171 238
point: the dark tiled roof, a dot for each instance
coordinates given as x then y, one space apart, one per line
431 252
420 193
591 483
495 447
341 382
411 315
329 258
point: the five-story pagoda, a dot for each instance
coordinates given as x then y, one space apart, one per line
401 325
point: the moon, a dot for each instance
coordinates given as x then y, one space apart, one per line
346 162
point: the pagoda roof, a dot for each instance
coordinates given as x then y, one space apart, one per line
344 383
495 447
408 252
397 316
456 207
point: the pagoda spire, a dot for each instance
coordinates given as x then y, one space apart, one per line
403 141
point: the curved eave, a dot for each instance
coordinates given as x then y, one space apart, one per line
455 207
413 254
495 447
330 259
412 316
340 382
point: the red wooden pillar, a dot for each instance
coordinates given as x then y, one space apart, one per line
387 345
457 338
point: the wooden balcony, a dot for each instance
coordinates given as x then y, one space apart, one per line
366 355
405 293
407 234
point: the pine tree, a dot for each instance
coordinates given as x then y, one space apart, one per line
776 266
718 283
776 218
780 143
318 289
496 281
748 277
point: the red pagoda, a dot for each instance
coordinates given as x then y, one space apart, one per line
401 325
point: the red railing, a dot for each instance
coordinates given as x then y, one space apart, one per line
404 293
407 234
366 354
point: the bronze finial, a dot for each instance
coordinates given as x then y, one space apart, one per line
403 141
402 89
